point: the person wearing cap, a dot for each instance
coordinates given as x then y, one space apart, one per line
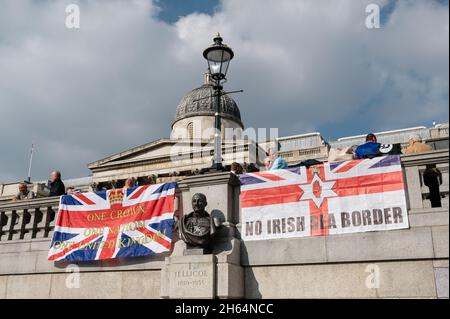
416 145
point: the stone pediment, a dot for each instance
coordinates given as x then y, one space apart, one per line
153 149
158 149
169 156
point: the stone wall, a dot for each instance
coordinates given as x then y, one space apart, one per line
401 279
26 273
104 284
410 263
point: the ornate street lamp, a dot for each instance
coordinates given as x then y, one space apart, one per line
218 56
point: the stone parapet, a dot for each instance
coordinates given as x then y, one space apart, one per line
410 263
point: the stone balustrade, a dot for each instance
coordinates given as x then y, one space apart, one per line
28 219
414 166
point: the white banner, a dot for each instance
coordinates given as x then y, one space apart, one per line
337 198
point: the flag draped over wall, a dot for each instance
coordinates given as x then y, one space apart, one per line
326 199
117 223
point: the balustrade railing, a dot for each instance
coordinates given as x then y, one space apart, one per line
28 219
414 166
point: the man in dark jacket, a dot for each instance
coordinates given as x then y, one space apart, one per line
57 187
432 178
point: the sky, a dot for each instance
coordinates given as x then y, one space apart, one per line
304 65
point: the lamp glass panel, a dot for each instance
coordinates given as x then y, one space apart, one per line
218 55
225 67
214 67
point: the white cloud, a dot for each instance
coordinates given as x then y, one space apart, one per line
316 62
115 82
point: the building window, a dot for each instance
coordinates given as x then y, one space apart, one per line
190 130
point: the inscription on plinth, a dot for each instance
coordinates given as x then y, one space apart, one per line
191 280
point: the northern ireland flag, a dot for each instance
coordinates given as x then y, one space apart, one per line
117 223
326 199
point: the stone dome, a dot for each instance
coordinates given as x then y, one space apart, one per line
199 102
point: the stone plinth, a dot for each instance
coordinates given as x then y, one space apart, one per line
191 276
221 190
187 275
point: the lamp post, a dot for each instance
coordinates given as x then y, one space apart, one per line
218 56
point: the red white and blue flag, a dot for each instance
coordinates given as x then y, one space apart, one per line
118 223
330 198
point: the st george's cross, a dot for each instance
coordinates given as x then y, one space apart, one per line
117 223
324 199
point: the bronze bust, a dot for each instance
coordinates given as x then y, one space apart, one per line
197 228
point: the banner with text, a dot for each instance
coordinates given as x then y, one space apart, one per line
118 223
325 199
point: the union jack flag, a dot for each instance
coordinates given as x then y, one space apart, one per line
117 223
329 198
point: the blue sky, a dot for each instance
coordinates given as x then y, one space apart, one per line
304 66
172 10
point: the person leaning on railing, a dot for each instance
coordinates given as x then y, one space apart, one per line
416 145
369 149
24 193
274 161
129 183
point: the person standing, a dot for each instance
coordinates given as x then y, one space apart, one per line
236 168
57 187
432 178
